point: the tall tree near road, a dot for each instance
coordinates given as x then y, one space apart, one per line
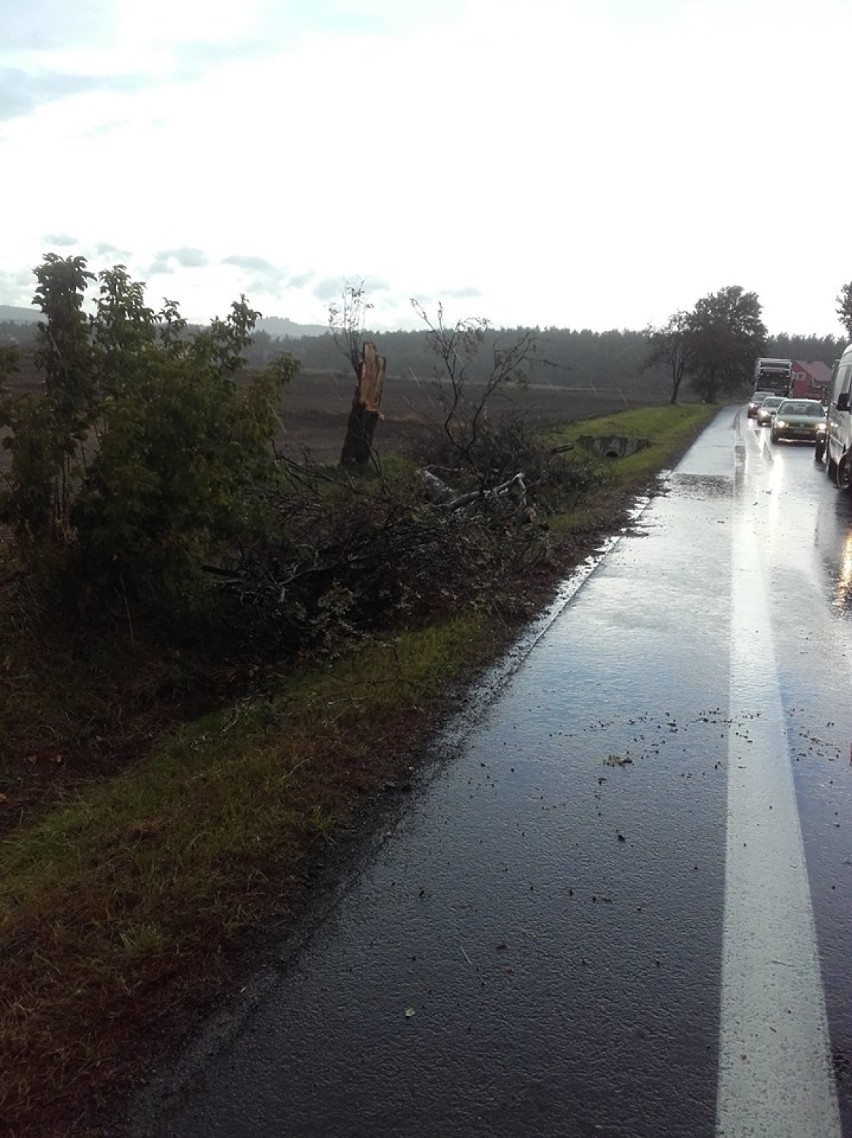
672 346
54 457
727 334
844 307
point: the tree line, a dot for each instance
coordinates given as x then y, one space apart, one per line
632 360
567 357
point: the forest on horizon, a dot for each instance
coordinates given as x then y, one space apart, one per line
564 357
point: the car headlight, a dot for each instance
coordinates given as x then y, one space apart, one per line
780 423
821 428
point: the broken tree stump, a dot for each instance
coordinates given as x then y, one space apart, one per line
366 408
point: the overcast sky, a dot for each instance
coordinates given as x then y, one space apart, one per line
579 163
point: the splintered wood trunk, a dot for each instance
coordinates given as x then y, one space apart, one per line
366 408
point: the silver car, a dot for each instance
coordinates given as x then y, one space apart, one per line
766 411
802 419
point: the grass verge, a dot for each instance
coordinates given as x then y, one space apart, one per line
669 431
121 908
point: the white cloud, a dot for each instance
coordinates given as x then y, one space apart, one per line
595 163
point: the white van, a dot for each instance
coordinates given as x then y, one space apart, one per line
838 447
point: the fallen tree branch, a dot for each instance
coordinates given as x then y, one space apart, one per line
494 492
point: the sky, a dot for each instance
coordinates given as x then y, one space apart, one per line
573 163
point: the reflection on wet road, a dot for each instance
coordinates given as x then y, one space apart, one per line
547 941
804 526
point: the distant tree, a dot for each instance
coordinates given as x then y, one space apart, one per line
727 334
794 347
672 345
12 332
10 360
262 349
844 307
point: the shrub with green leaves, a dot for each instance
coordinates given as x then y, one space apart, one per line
142 456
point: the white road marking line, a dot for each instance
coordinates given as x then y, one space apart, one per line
775 1071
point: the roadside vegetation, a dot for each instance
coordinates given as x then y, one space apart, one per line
580 359
216 660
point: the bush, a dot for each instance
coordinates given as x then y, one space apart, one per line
144 477
346 556
141 457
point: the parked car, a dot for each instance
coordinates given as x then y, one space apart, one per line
756 400
766 411
802 419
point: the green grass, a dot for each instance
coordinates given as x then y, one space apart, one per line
668 428
120 907
662 421
670 431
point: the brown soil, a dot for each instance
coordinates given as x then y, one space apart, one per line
315 409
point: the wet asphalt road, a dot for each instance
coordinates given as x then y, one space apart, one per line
547 941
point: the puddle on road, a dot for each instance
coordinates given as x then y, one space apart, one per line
700 485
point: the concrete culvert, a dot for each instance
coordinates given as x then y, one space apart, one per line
613 446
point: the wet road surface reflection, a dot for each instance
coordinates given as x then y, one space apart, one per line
805 527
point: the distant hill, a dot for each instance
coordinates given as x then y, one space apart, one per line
19 315
282 326
275 325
